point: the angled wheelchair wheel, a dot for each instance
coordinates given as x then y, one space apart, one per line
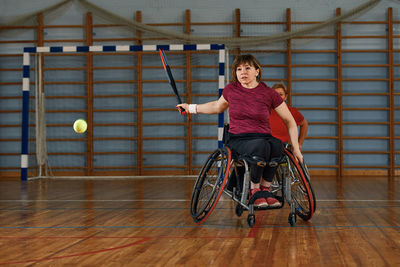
301 189
307 176
210 184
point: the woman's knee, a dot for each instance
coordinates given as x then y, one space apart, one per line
258 148
276 147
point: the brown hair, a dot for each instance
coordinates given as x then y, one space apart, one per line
280 85
243 59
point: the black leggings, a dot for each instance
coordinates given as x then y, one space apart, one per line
262 145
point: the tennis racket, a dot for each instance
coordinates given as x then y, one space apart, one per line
171 80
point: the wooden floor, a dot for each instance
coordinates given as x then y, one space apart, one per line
146 222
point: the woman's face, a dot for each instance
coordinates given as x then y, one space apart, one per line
247 75
282 93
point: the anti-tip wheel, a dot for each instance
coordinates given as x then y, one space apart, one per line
239 210
251 220
292 219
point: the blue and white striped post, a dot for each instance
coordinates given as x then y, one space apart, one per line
107 48
221 85
25 116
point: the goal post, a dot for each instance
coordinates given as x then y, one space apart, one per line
37 51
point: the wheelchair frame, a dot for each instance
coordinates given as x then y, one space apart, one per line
291 183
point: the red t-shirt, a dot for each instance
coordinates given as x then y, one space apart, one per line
249 109
278 127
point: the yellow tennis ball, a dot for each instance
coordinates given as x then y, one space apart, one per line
80 126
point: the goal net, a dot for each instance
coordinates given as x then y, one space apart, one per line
123 93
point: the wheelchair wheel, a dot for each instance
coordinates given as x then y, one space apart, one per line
251 220
239 210
307 175
301 190
210 184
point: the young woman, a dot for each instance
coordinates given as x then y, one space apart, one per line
250 101
278 128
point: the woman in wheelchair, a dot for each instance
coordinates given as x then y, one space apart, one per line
250 101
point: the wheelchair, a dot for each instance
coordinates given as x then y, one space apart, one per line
226 172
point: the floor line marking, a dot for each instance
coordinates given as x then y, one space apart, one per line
77 254
177 200
191 226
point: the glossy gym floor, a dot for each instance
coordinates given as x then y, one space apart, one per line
146 222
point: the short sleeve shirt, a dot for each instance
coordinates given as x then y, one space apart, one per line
278 127
249 109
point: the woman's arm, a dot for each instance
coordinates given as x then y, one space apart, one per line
303 132
213 107
284 113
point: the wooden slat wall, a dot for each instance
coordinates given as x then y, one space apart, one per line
339 94
188 167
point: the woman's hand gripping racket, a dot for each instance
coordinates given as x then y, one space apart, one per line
171 80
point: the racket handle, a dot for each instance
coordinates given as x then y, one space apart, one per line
182 111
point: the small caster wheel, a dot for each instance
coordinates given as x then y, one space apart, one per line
239 210
292 219
251 220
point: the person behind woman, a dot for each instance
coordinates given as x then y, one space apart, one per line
278 128
250 101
